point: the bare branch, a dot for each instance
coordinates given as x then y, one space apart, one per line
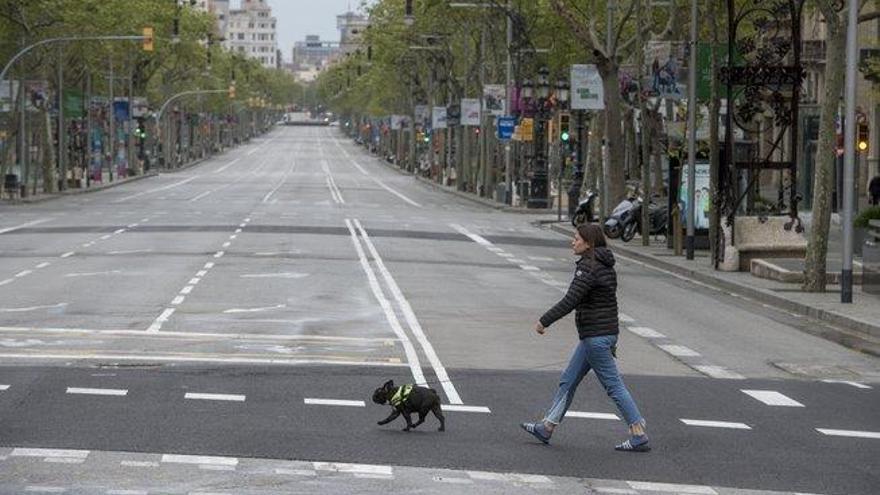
586 35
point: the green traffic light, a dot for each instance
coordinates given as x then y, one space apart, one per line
564 136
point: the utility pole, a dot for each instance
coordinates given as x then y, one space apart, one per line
62 148
112 122
508 167
606 155
849 139
692 133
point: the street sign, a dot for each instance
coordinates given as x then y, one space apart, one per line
586 88
505 127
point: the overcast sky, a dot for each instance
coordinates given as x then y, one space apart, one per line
297 18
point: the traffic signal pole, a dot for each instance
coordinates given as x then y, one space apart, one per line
849 160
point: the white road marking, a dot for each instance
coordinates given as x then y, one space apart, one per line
254 310
43 265
23 273
178 300
850 383
411 319
24 225
226 397
93 274
63 460
540 258
224 167
296 472
208 358
276 275
186 290
119 231
97 391
194 281
342 467
4 387
516 261
22 452
31 308
209 265
487 476
139 463
669 487
280 183
44 489
772 398
7 281
718 372
462 408
335 402
591 415
131 251
715 424
621 491
162 318
530 268
200 459
219 254
201 273
212 467
679 350
105 237
127 492
226 244
68 254
648 333
163 188
849 433
200 196
459 481
412 356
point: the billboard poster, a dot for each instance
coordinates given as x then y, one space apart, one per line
422 114
663 60
494 97
470 111
586 88
702 190
438 118
453 115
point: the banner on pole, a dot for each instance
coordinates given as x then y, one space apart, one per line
470 111
494 99
586 88
438 118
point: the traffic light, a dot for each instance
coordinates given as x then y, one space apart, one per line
477 131
564 126
862 140
427 137
232 91
148 39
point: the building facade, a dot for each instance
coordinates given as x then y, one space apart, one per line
251 31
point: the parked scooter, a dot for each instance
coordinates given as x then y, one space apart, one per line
586 210
626 219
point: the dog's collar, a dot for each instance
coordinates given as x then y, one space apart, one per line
401 395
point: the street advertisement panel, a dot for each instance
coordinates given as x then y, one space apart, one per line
526 129
73 104
494 97
663 66
453 115
438 118
470 111
7 90
701 195
586 88
423 115
139 106
399 122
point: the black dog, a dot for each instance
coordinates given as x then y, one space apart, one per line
408 399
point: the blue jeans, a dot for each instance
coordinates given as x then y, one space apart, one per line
593 353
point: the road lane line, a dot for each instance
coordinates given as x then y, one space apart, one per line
591 415
410 316
412 356
849 433
118 231
178 300
187 289
670 487
226 244
7 281
343 467
715 424
68 254
648 333
335 402
226 397
23 273
43 265
718 372
189 358
462 408
850 383
679 350
162 318
25 452
163 188
4 387
296 472
97 391
139 463
224 167
24 225
199 459
772 398
478 239
44 489
219 254
127 492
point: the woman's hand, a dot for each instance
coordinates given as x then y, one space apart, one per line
539 328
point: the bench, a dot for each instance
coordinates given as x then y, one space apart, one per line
766 237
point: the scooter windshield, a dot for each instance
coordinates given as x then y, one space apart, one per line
622 207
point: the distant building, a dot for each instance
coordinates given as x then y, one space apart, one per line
314 53
351 28
251 31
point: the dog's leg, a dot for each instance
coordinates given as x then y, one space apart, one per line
439 413
394 414
422 415
408 417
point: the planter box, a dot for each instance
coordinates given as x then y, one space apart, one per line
871 273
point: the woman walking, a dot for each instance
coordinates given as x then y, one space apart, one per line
593 296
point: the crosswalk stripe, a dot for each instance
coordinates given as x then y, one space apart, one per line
715 424
772 398
97 391
228 397
335 402
590 415
849 433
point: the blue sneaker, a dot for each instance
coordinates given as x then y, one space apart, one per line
638 443
538 431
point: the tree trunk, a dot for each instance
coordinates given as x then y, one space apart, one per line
594 153
50 176
714 132
613 173
817 249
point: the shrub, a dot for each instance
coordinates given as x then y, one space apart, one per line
872 213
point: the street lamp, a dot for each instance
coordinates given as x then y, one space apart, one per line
537 97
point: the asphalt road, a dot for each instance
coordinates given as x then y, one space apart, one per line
298 267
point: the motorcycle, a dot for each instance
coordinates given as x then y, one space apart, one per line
586 210
626 219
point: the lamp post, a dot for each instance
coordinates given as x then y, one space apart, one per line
537 96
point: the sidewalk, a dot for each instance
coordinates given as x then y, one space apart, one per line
857 325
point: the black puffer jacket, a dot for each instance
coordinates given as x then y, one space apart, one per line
593 294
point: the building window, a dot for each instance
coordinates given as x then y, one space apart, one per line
241 36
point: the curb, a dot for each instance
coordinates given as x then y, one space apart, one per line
852 333
466 195
73 192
